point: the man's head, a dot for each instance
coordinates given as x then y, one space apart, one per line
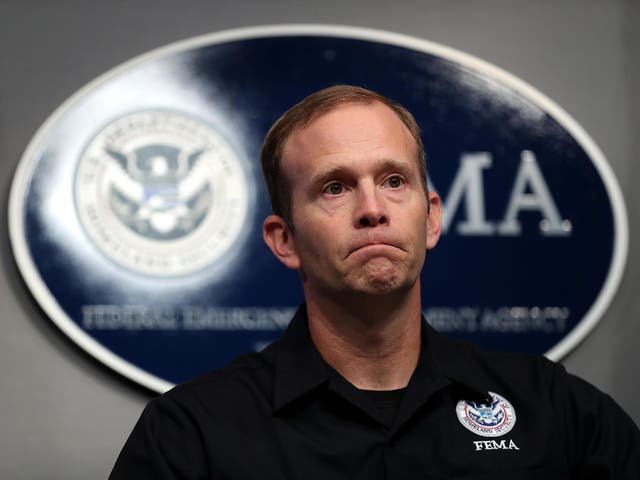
301 115
355 194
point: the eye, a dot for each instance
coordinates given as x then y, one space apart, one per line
394 181
334 188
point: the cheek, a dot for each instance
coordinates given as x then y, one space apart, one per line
318 224
415 219
307 235
316 244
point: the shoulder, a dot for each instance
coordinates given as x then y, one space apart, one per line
527 372
534 379
248 378
176 429
533 376
536 374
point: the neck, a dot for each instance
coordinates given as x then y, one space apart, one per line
372 341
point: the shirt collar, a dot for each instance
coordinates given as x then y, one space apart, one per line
455 360
299 367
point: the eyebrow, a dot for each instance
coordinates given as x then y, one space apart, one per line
324 174
395 164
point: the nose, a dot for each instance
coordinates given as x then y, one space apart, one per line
370 208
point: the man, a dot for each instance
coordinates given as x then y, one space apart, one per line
360 386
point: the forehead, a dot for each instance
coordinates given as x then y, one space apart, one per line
348 132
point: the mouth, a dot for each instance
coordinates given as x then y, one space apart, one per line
375 247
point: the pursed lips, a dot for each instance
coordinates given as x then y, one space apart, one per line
365 245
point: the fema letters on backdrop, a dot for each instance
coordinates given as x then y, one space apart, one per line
468 184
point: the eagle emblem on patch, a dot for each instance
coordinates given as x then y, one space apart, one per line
487 419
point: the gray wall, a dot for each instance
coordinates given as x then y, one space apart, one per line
63 416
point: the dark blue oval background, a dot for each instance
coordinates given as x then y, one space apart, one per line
460 110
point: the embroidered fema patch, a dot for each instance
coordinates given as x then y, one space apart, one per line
492 420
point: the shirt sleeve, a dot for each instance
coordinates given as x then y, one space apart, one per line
604 442
165 444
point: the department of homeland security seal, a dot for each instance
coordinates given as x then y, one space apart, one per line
492 420
160 193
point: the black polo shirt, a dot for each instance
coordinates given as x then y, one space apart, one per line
284 413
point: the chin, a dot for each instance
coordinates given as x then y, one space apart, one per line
388 281
384 277
381 284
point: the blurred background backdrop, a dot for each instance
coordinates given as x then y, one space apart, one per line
65 416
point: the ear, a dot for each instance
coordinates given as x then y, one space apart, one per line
434 220
277 236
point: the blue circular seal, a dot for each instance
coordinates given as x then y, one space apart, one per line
487 420
135 211
160 193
